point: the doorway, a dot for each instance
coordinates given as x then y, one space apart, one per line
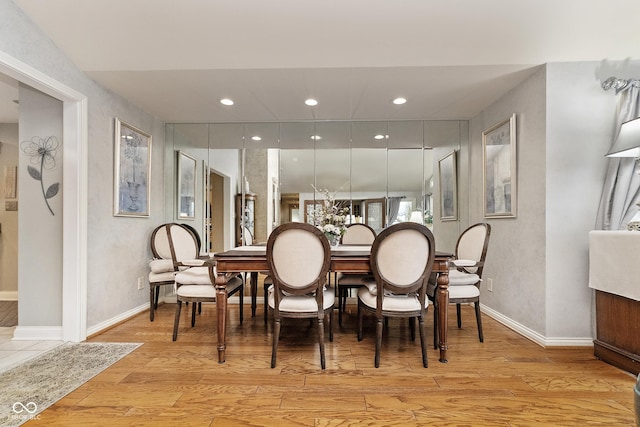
74 186
215 221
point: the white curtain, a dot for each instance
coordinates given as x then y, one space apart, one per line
621 191
393 207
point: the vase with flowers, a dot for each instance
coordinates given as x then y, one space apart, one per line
330 218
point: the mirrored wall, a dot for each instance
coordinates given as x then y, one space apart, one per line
251 177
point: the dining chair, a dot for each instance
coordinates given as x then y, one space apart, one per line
298 256
402 257
197 285
355 234
174 247
465 274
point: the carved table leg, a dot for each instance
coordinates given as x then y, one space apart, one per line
443 304
221 309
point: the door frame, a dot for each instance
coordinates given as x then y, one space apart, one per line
74 188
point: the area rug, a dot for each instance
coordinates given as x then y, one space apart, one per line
31 387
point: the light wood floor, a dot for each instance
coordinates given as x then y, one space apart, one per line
506 381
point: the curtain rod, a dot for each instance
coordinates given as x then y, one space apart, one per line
620 84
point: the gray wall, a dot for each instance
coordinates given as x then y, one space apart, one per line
539 260
118 248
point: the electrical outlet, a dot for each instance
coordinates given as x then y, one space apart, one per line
140 282
490 285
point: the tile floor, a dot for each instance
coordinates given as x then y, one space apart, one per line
13 353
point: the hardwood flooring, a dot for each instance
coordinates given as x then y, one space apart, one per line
505 381
8 313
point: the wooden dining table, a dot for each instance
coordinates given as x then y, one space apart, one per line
344 258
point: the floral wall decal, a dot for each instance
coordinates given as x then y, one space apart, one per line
42 152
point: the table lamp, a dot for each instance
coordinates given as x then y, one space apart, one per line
628 145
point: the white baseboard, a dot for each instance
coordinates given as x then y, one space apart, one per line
117 319
8 295
535 336
37 333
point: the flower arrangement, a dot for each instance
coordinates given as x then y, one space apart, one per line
330 218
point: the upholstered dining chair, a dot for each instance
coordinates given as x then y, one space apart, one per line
355 234
402 257
196 285
298 256
465 274
174 247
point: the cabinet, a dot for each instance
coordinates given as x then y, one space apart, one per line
613 273
245 236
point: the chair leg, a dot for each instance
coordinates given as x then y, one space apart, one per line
479 320
458 314
340 291
151 307
331 325
423 340
199 308
155 302
359 322
266 304
379 328
177 320
321 340
241 296
435 326
276 337
193 314
412 328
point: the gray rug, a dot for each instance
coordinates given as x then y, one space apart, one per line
28 389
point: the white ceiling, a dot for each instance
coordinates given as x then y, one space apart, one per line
450 59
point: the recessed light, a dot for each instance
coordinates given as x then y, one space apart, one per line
380 136
256 138
226 101
399 101
316 137
311 102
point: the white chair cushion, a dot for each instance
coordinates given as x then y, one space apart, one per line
302 303
196 291
464 291
161 265
193 262
162 277
458 278
194 276
391 302
463 262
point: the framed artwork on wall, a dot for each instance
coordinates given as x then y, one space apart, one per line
186 199
132 162
499 167
447 172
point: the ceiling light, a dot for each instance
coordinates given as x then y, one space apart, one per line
256 138
226 101
399 101
311 102
316 137
380 136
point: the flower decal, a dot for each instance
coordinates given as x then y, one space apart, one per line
42 152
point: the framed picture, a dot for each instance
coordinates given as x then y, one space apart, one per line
132 173
447 171
186 199
500 173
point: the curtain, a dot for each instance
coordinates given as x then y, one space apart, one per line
621 191
393 206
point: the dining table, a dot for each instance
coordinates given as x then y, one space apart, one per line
344 259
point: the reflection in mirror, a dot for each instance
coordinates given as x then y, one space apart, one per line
260 170
428 187
297 169
225 148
